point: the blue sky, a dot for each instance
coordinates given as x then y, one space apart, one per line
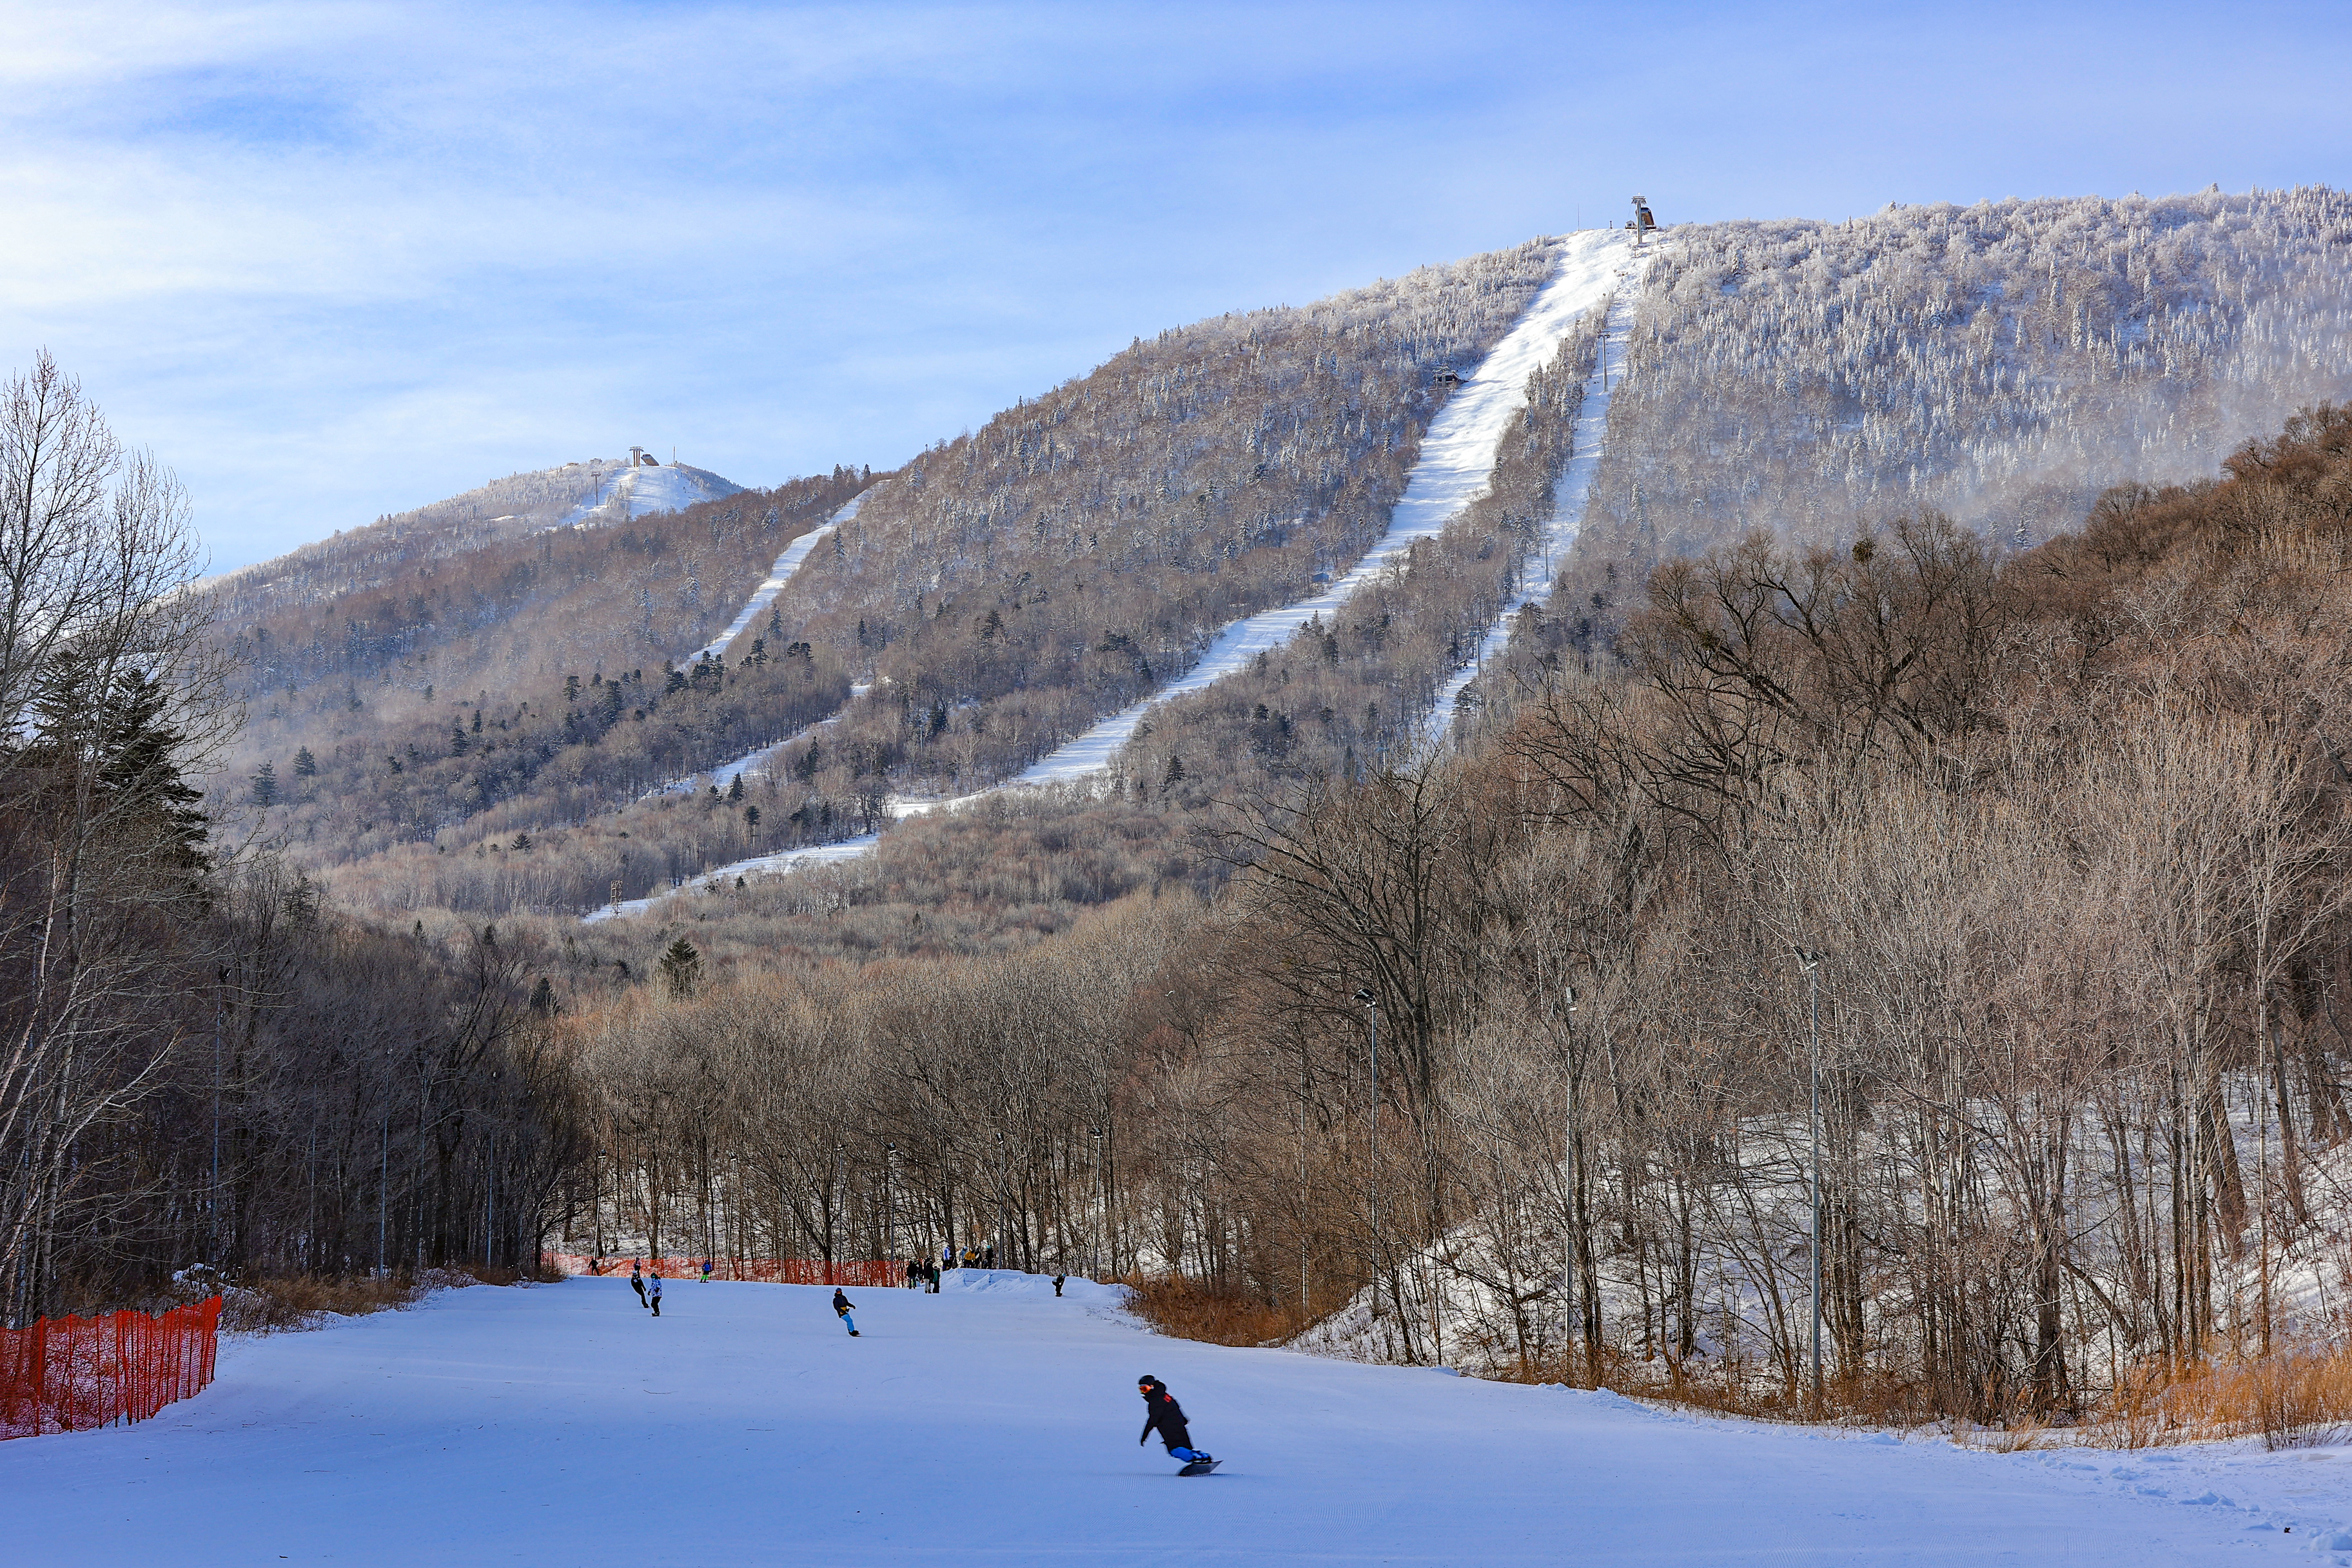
332 260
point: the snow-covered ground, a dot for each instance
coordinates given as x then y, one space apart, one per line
757 866
1568 495
629 493
996 1424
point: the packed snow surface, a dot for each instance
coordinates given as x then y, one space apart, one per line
993 1423
1569 494
1456 459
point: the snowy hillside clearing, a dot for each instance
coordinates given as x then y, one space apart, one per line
1456 458
632 492
994 1423
1569 496
779 575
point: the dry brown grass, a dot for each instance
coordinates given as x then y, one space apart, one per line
1743 1389
284 1302
2296 1397
1189 1310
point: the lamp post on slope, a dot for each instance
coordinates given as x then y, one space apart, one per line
1569 1135
1811 962
1371 1005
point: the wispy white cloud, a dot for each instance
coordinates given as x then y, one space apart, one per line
335 259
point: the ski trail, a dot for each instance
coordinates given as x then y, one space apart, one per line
1456 461
781 573
765 594
757 866
1457 457
779 576
1569 496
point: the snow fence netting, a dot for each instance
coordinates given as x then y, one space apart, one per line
68 1375
871 1276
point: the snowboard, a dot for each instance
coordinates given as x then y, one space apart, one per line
1200 1466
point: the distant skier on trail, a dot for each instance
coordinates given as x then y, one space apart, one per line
636 1282
1161 1413
841 1309
653 1293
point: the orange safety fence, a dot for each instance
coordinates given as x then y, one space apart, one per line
68 1374
872 1276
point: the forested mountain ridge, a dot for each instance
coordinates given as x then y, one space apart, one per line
2003 363
1008 587
1276 444
498 678
598 490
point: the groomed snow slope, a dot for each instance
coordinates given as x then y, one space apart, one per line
995 1424
1568 495
1456 459
781 573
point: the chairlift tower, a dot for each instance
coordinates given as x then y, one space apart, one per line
1643 224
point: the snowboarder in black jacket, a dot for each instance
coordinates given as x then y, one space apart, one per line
1161 1412
841 1309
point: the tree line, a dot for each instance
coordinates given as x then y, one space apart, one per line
2059 837
201 1063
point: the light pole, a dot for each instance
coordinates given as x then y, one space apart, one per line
1094 1236
1568 1170
1371 1005
1812 963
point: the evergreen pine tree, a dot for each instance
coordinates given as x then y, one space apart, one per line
681 965
306 766
264 786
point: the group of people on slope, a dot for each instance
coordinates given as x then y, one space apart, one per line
649 1287
1162 1413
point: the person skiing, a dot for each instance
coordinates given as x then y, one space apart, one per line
636 1282
653 1293
841 1309
706 1271
1160 1412
1057 1283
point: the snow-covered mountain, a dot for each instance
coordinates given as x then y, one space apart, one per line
1286 541
585 493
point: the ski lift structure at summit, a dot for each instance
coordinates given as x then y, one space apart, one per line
1641 223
